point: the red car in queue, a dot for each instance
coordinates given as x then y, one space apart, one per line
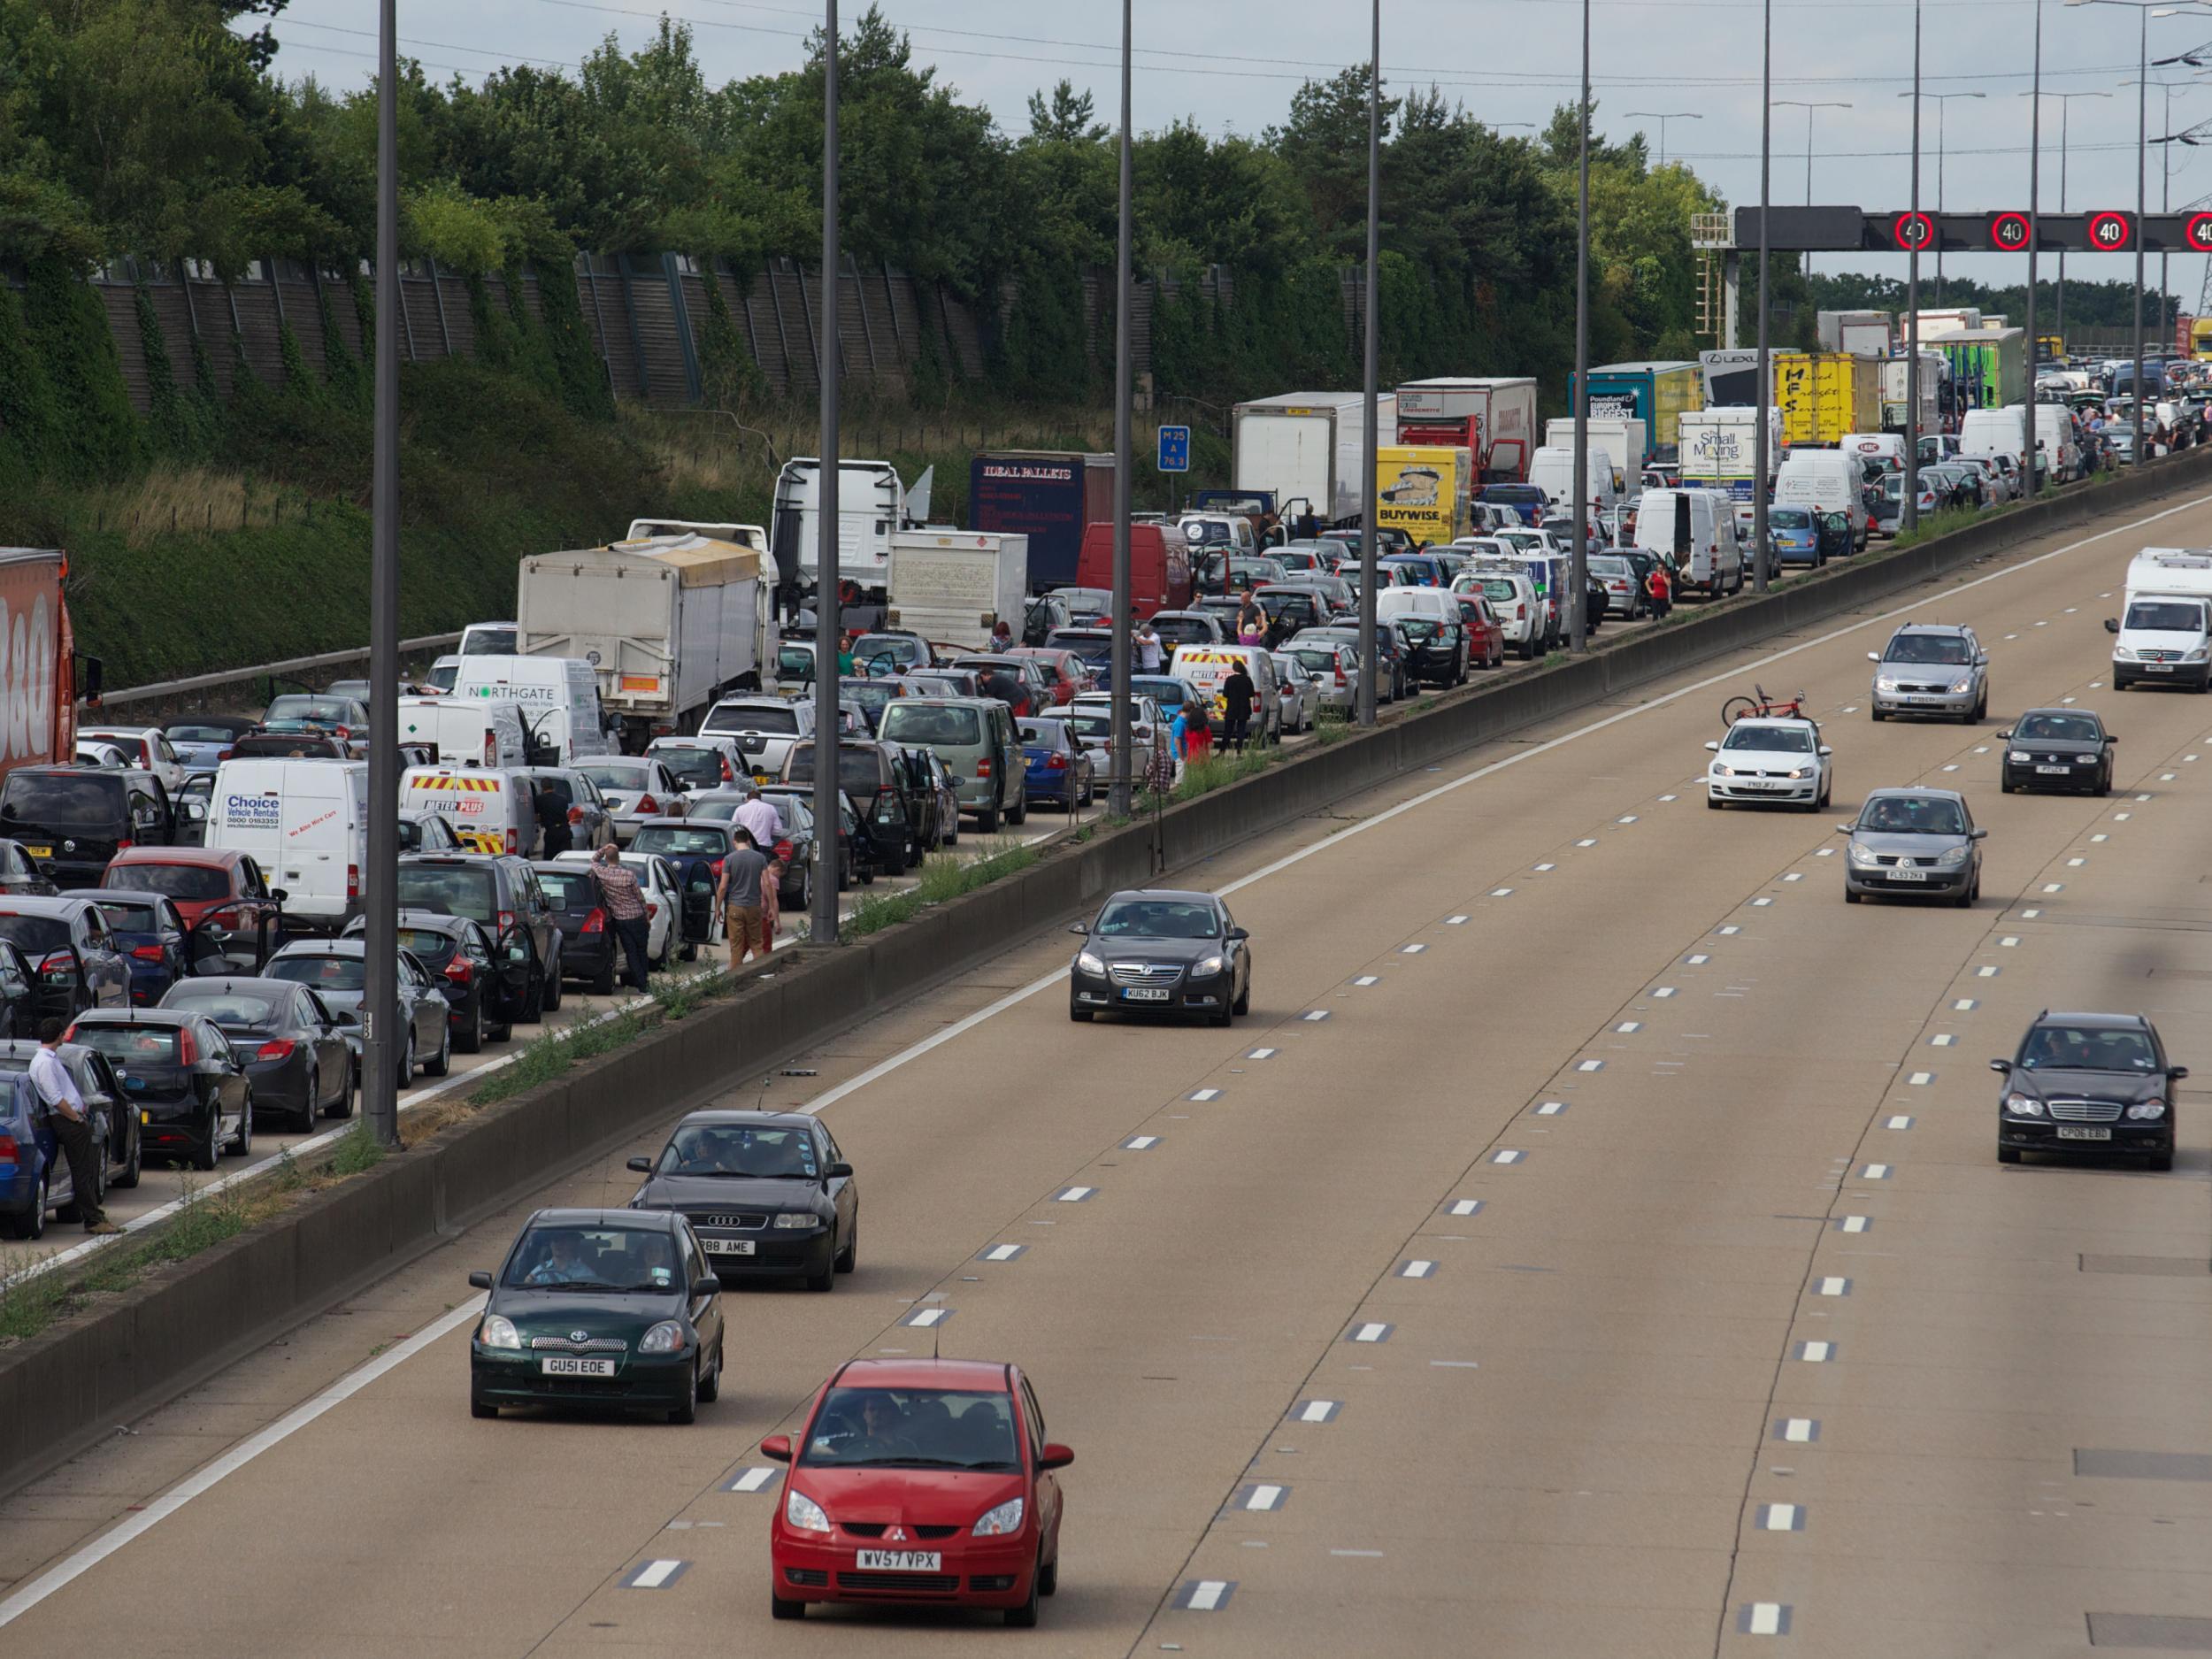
1069 676
918 1483
1485 640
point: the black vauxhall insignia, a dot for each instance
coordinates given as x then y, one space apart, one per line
1158 951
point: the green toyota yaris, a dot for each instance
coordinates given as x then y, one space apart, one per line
615 1308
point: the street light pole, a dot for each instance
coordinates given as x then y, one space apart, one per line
1800 104
1941 99
1909 509
1578 562
2065 111
829 605
1119 791
1766 363
1370 501
379 1079
2028 444
1663 117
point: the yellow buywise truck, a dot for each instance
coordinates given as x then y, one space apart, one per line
1824 395
1424 491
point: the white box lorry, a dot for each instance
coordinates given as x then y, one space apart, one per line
669 622
952 586
2163 633
1719 448
1622 437
1312 451
1495 416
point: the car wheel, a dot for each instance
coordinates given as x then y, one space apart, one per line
1024 1617
848 1257
986 824
688 1410
2104 781
498 1031
1852 896
710 1386
824 1278
1048 1578
443 1063
473 1034
1081 1016
2005 786
2007 1155
344 1108
1879 715
602 981
211 1146
1018 814
553 986
131 1171
313 1104
241 1143
1243 1004
478 1408
2161 1161
1965 901
31 1223
407 1063
534 1001
778 1607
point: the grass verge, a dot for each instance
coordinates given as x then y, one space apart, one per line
944 876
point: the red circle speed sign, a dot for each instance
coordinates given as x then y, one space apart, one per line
2197 232
1912 231
2008 233
2111 233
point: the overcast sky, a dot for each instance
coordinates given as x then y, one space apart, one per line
1233 65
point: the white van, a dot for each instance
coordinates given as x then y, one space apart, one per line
1994 431
557 696
306 824
2165 630
1696 528
2055 433
1552 470
491 811
1883 450
479 731
1826 480
1206 666
1434 604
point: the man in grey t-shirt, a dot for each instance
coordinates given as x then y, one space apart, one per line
739 890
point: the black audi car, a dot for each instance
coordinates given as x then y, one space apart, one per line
2088 1083
769 1193
2057 749
1158 951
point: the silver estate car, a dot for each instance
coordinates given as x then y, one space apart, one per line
1917 842
1932 668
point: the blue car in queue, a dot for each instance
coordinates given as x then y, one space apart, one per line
615 1309
1161 951
1058 766
769 1194
149 928
1796 534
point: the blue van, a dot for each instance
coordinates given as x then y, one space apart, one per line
1528 500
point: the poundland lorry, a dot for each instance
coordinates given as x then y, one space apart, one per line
1656 392
669 622
1312 450
1495 417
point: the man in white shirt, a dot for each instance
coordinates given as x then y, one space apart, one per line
1147 640
70 1119
760 817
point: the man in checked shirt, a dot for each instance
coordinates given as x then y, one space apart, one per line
625 903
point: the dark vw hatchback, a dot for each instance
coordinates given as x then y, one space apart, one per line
614 1309
2057 749
769 1193
1162 952
2088 1083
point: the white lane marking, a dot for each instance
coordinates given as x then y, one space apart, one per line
1794 875
1825 852
753 1480
1002 1252
1899 1122
1363 1555
1666 797
2052 886
2070 610
1728 931
1816 1353
1141 1143
1981 749
1318 1410
1263 1497
1261 1054
2076 864
1507 1155
2030 915
1500 893
1315 1015
1205 1094
1663 991
1547 866
1854 1223
1367 979
1629 1028
1697 961
1590 1065
1833 1285
2168 777
1585 843
1369 1333
1627 819
1965 1005
2044 623
923 1318
2142 797
2121 818
2010 941
1207 1595
1411 950
1761 903
1987 973
2099 836
1772 1619
1920 1079
1465 1207
1951 767
1551 1109
1942 1039
1073 1195
1417 1270
655 1574
1798 1431
99 1549
1454 921
1780 1517
1455 1364
1875 1172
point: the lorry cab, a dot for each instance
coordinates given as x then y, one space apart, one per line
2163 634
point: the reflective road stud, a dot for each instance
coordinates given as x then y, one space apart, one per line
1764 1618
1779 1518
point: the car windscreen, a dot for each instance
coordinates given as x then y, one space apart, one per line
572 890
1790 519
1156 919
1927 648
1609 565
322 972
1913 815
132 916
62 800
1418 628
1784 740
692 766
1164 689
146 1045
2171 615
1091 644
179 882
2079 1048
185 732
1182 631
594 1258
671 841
452 889
761 1152
931 1428
1314 660
34 935
2065 728
897 647
920 723
221 1004
321 711
1278 601
1043 733
624 776
776 719
431 948
872 698
1201 532
857 769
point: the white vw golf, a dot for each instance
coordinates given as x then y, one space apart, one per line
1770 761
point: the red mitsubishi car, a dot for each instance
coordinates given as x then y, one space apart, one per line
919 1482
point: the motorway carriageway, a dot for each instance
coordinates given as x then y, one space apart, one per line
1593 1244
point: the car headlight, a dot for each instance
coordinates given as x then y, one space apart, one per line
1720 771
2023 1105
1207 969
1800 772
498 1331
794 1220
2200 655
802 1512
1862 855
667 1337
1884 682
1089 963
2147 1111
1951 857
2017 756
999 1522
1962 685
2123 654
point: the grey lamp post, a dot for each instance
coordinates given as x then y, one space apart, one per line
2065 110
1939 99
1663 117
1800 103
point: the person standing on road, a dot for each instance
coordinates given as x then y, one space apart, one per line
1237 694
624 903
1251 621
68 1115
1147 640
1660 590
1001 635
552 820
758 818
771 903
739 892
